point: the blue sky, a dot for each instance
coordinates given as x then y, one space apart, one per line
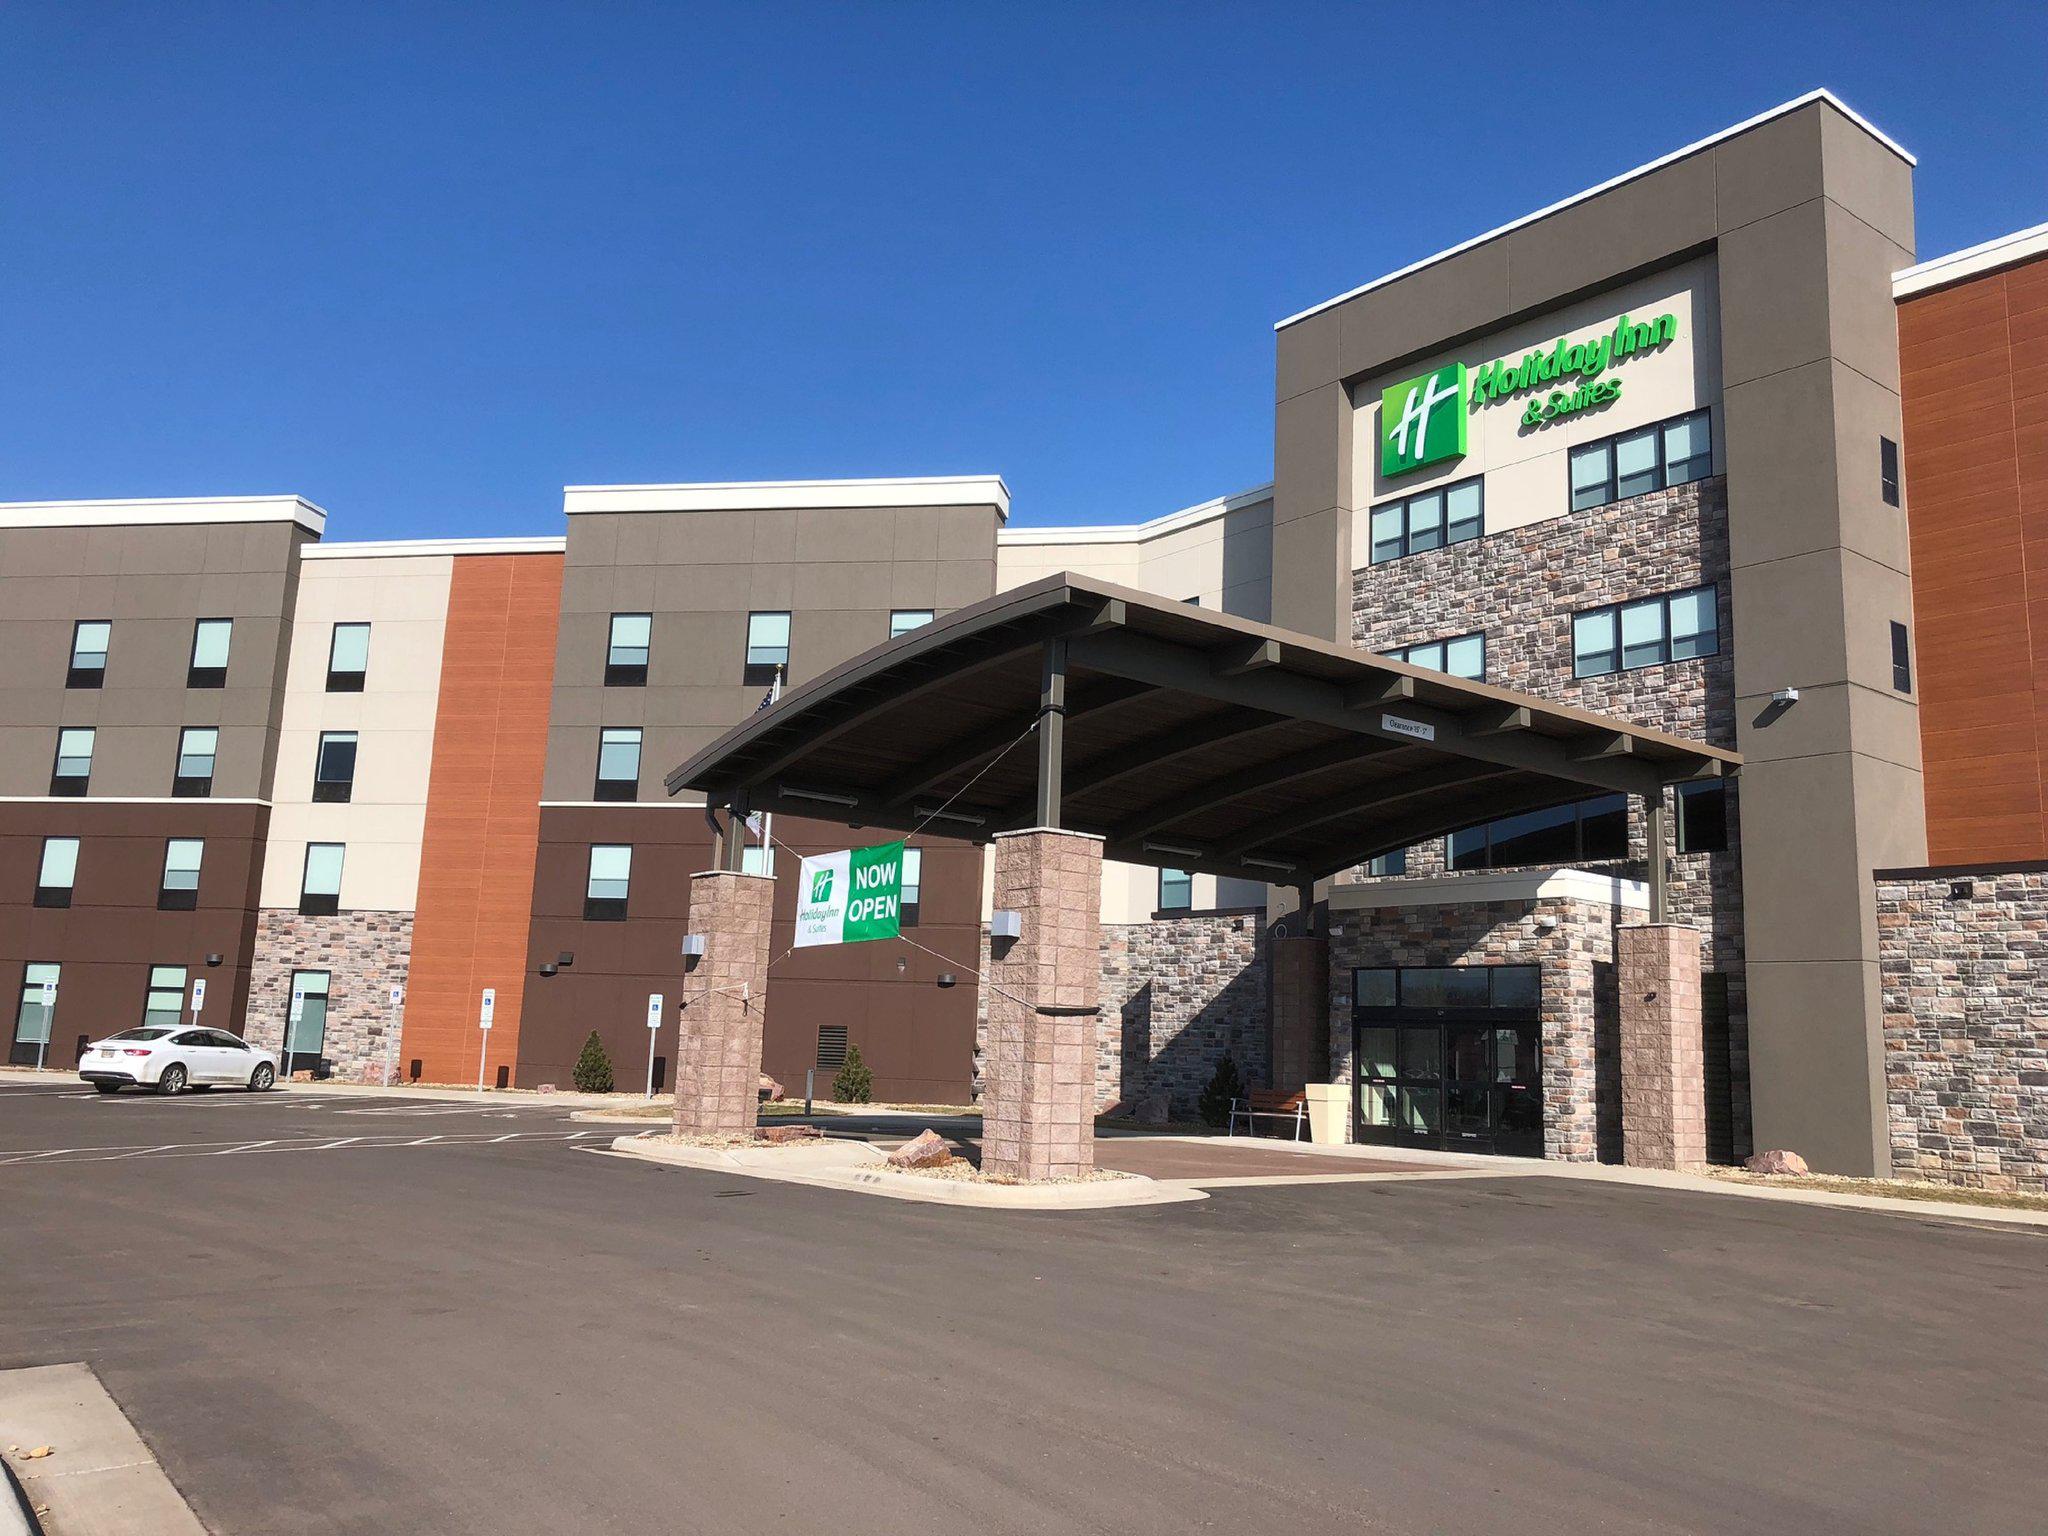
426 265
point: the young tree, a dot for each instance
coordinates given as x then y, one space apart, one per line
854 1083
593 1072
1223 1087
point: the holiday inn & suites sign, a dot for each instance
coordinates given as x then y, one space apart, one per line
1426 420
850 896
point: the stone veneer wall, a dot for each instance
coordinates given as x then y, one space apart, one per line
1177 995
1580 1012
1963 962
365 954
1521 587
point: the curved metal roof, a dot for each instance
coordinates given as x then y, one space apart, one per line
1192 739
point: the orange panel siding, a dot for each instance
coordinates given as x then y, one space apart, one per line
483 813
1974 360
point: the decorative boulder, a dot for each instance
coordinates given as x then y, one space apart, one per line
1152 1109
927 1149
769 1088
782 1135
1776 1162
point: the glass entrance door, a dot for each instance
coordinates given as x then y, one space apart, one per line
1449 1057
306 1024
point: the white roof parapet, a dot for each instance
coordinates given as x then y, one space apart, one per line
761 495
2005 251
380 549
162 510
1121 533
1616 181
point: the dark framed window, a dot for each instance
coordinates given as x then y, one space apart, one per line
618 763
1703 816
1665 453
163 1000
334 767
1586 832
756 860
903 620
1646 633
1460 656
1450 514
198 746
1395 863
348 658
1902 658
610 883
71 773
58 872
178 890
913 885
33 1014
625 655
831 1047
1176 890
1888 471
90 639
1456 987
211 641
767 647
320 879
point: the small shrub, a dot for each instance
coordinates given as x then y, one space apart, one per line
853 1083
1224 1086
593 1072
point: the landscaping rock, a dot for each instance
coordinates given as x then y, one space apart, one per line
770 1089
1776 1162
778 1135
1152 1109
927 1149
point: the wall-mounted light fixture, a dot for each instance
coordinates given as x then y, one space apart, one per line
693 946
947 979
216 959
1006 925
548 969
566 958
1785 696
824 796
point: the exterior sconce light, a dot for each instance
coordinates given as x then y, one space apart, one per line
1785 696
215 959
947 979
548 969
1006 925
566 958
693 946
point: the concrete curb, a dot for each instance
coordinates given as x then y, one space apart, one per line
862 1169
17 1515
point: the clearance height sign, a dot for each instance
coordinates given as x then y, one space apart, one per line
850 896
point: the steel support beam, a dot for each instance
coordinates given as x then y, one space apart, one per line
1052 730
1655 818
930 775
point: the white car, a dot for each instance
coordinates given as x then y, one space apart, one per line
171 1059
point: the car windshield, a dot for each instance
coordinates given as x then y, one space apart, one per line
140 1034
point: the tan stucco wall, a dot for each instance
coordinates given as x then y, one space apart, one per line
1223 556
405 601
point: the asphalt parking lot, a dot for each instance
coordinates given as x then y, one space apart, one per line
350 1315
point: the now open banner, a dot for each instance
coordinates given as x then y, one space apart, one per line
850 896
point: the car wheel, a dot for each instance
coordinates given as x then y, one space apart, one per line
171 1080
263 1079
108 1087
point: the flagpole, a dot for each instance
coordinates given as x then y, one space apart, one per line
768 817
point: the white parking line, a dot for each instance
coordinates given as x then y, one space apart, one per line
51 1155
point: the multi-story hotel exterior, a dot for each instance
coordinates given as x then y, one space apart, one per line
1701 449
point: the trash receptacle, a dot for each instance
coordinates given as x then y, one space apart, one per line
1329 1113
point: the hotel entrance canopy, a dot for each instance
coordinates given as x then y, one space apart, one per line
1183 737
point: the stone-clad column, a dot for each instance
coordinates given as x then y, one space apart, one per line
1663 1064
1044 991
1301 1011
718 1048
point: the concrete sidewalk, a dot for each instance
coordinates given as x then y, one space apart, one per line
99 1477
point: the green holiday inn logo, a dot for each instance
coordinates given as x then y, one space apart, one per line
1423 420
821 885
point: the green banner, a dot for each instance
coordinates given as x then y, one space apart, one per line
850 897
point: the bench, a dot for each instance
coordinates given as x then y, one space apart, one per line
1270 1104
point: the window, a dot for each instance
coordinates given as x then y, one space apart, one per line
210 642
334 767
1450 514
1587 832
320 883
1463 656
756 860
197 747
625 656
163 1003
1445 986
831 1047
913 882
1703 816
618 764
611 877
1646 633
1902 659
1395 863
348 658
306 1023
179 888
58 872
33 1013
767 646
903 620
1666 453
1888 471
73 768
1176 890
89 641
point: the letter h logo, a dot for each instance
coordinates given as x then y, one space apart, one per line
1423 420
